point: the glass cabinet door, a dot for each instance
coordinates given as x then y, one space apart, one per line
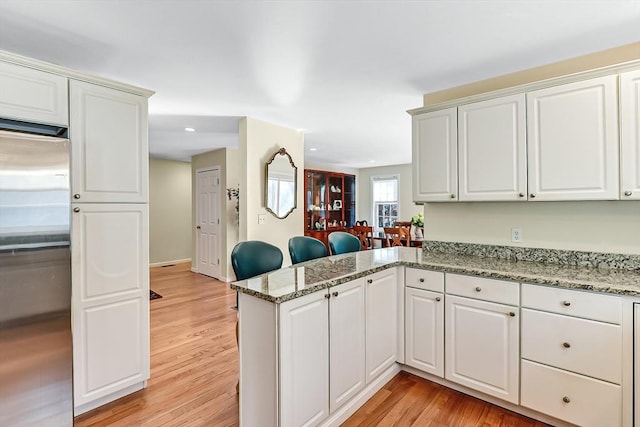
316 194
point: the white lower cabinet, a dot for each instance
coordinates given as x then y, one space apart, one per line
304 360
482 346
322 353
424 330
346 342
110 298
574 398
382 322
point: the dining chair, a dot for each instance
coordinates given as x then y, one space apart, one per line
397 236
304 248
404 224
341 242
365 235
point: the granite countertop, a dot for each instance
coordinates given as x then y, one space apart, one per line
311 276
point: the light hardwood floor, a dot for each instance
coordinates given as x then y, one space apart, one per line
194 369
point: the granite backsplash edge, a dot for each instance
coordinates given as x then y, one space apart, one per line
538 255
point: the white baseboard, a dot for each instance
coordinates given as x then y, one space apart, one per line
163 263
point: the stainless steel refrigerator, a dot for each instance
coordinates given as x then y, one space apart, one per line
35 277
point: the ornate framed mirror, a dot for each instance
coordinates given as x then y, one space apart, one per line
281 184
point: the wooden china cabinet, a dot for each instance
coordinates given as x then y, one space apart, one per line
330 203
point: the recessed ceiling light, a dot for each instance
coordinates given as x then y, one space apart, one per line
372 161
313 149
189 129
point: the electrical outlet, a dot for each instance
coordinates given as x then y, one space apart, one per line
262 218
516 235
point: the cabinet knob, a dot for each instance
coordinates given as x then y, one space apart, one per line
521 195
335 294
369 281
76 196
327 296
438 299
453 196
566 345
421 280
566 399
532 195
76 210
628 193
566 303
512 314
478 288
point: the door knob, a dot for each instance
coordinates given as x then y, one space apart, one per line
198 227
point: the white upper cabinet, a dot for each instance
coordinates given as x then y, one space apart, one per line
573 141
435 156
630 135
492 161
109 140
32 95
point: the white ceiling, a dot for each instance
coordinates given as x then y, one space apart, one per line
342 71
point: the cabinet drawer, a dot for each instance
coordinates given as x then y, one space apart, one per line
424 279
32 95
589 305
570 397
578 345
493 290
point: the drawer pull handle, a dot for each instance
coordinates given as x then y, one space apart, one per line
478 288
512 314
566 345
327 296
421 280
566 399
438 299
566 303
369 281
335 294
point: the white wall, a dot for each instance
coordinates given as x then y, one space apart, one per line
590 226
407 208
170 234
258 142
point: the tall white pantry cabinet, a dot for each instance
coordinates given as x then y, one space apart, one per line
108 133
110 255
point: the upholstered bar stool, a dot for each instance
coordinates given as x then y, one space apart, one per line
304 248
342 243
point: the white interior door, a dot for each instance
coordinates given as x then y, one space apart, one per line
208 222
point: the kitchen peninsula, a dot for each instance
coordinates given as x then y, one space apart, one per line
546 333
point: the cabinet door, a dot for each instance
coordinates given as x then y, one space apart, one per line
33 96
435 156
482 341
304 360
630 135
346 339
424 323
573 141
109 145
492 160
382 322
110 299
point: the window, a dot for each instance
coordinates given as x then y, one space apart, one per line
385 201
